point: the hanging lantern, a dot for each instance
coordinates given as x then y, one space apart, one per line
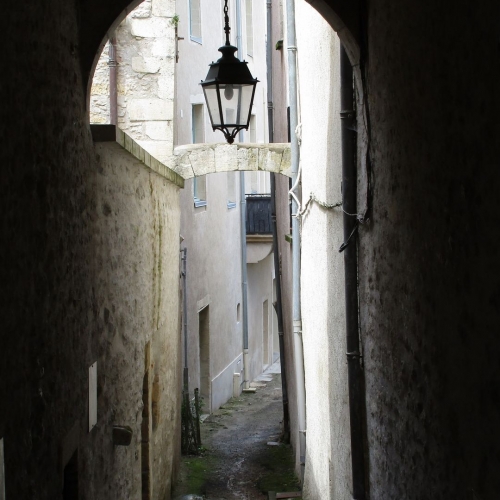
229 90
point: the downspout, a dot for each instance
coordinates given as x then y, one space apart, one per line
244 280
279 314
277 267
297 316
349 194
269 64
184 319
243 231
113 95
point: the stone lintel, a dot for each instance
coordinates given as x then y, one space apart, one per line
111 133
193 160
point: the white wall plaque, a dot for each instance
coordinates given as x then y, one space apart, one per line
92 396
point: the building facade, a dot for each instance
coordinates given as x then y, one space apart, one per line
218 346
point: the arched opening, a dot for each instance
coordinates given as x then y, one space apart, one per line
142 120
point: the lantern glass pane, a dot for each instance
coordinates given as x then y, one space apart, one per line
212 104
235 101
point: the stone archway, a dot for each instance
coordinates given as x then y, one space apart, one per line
193 160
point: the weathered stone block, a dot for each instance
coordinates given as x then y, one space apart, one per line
153 27
270 159
150 109
143 10
202 161
145 64
163 8
248 158
166 85
286 161
161 150
159 131
226 156
100 88
182 164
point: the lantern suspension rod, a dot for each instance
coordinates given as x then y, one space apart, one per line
227 29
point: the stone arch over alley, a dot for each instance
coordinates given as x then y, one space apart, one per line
408 162
428 287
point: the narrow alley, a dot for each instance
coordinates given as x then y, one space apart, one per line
192 189
242 458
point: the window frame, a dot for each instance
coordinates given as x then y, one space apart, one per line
194 38
197 200
197 137
231 204
249 30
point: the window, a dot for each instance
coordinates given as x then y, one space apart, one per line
200 191
197 124
195 20
199 183
252 130
254 182
204 345
231 189
249 27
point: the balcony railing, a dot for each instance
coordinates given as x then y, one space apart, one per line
259 214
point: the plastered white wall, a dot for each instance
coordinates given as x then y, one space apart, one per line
327 472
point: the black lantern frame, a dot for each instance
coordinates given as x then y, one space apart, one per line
229 90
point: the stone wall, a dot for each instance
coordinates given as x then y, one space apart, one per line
138 251
81 243
145 49
428 259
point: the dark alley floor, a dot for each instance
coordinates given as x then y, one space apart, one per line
238 463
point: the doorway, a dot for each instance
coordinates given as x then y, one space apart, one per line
204 342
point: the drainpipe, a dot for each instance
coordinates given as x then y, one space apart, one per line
184 318
113 96
354 366
297 316
269 64
277 268
279 314
244 280
243 230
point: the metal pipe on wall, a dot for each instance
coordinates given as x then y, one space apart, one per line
279 314
297 315
113 70
277 269
243 232
184 317
244 280
349 204
269 64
